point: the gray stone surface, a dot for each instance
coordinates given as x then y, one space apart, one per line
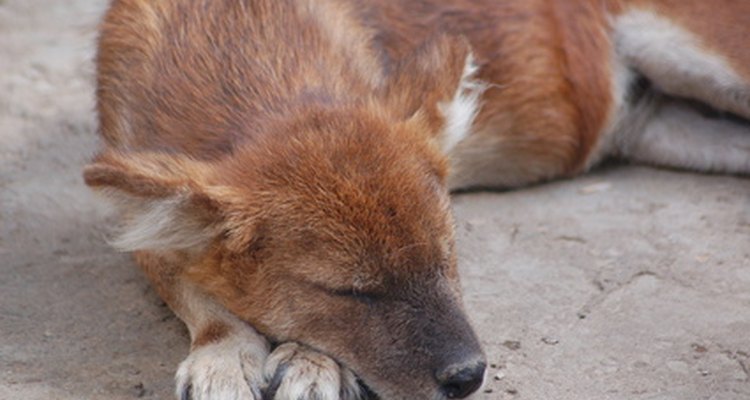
627 283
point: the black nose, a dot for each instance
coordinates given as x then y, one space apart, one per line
458 381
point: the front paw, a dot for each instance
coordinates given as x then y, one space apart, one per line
296 372
227 369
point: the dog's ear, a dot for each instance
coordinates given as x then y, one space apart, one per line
164 201
436 86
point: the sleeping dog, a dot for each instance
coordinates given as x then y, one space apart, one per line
283 167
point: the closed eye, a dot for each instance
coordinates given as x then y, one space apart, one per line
364 296
359 295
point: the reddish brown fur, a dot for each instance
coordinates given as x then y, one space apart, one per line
172 61
543 58
212 333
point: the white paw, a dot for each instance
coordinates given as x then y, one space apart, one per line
295 372
229 369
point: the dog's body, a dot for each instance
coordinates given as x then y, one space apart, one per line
574 82
287 162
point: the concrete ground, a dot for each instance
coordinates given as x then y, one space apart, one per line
627 283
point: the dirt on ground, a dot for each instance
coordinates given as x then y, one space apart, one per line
626 283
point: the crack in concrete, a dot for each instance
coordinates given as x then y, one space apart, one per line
740 357
604 293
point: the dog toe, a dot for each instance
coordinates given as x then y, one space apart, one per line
296 372
227 370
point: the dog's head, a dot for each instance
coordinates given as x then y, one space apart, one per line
332 229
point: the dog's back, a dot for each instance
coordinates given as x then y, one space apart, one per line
202 76
574 82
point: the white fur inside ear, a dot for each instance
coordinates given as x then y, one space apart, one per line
460 111
163 224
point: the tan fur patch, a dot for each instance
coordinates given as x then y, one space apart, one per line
213 332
